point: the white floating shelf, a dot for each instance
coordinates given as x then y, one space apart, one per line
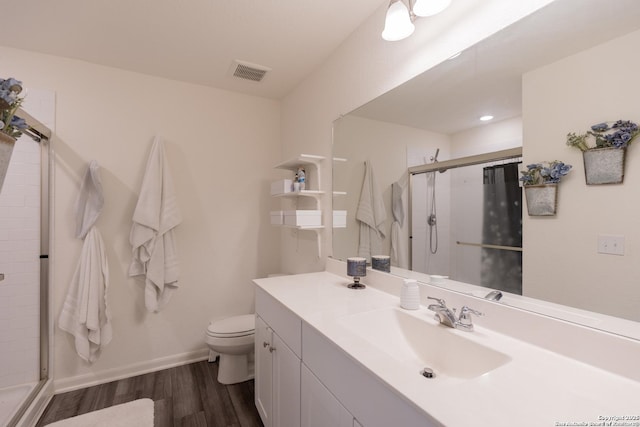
302 159
339 159
304 193
305 227
339 193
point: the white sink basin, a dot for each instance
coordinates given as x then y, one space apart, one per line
419 342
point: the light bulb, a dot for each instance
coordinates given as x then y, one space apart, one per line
397 25
430 7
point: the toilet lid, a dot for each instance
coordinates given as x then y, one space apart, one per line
233 326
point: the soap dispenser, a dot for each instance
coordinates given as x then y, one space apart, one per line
410 295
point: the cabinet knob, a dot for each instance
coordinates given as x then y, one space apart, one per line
272 349
265 344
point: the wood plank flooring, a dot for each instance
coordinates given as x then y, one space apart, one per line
184 396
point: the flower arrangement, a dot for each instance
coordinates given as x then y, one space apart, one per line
544 173
617 134
10 124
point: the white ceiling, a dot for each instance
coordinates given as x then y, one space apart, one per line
190 40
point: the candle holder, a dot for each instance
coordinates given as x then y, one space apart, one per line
381 263
356 268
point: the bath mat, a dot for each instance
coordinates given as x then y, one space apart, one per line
138 413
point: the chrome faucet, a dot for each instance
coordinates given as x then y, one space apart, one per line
494 296
447 316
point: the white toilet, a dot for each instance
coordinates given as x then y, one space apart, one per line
233 340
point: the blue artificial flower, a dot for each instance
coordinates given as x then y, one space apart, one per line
564 168
12 85
600 127
18 123
534 166
7 96
624 125
558 170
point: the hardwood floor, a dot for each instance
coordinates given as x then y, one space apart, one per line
184 396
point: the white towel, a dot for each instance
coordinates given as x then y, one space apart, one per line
371 214
90 200
85 313
151 237
399 237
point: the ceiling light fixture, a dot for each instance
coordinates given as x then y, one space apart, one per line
398 23
430 7
486 118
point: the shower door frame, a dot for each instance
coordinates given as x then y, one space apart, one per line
37 398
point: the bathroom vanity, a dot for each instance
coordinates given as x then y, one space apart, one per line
329 355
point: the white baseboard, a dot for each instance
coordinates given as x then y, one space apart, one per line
87 380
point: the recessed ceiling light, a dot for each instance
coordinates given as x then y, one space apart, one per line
486 118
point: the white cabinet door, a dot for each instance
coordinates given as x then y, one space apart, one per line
319 408
264 373
286 385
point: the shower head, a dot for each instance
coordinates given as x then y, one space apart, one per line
434 158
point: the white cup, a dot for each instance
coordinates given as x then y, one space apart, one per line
410 295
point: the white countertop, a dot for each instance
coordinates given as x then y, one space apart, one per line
535 388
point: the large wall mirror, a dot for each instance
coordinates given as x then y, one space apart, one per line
429 157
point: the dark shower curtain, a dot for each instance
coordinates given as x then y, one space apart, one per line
502 225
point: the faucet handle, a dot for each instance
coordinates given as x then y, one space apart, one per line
440 301
464 321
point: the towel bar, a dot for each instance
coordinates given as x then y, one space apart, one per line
488 246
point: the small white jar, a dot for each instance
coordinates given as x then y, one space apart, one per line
410 295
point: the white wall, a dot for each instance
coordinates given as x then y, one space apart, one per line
491 136
366 66
221 147
587 88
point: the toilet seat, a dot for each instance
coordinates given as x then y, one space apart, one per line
233 327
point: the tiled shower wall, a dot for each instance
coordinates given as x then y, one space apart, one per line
20 253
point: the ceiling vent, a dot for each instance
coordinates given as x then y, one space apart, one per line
249 71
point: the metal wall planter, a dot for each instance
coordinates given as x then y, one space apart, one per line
604 165
542 200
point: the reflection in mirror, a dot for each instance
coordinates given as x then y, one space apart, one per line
433 119
483 219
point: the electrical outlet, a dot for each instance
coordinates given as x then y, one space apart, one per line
612 245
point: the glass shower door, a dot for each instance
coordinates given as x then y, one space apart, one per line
20 250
